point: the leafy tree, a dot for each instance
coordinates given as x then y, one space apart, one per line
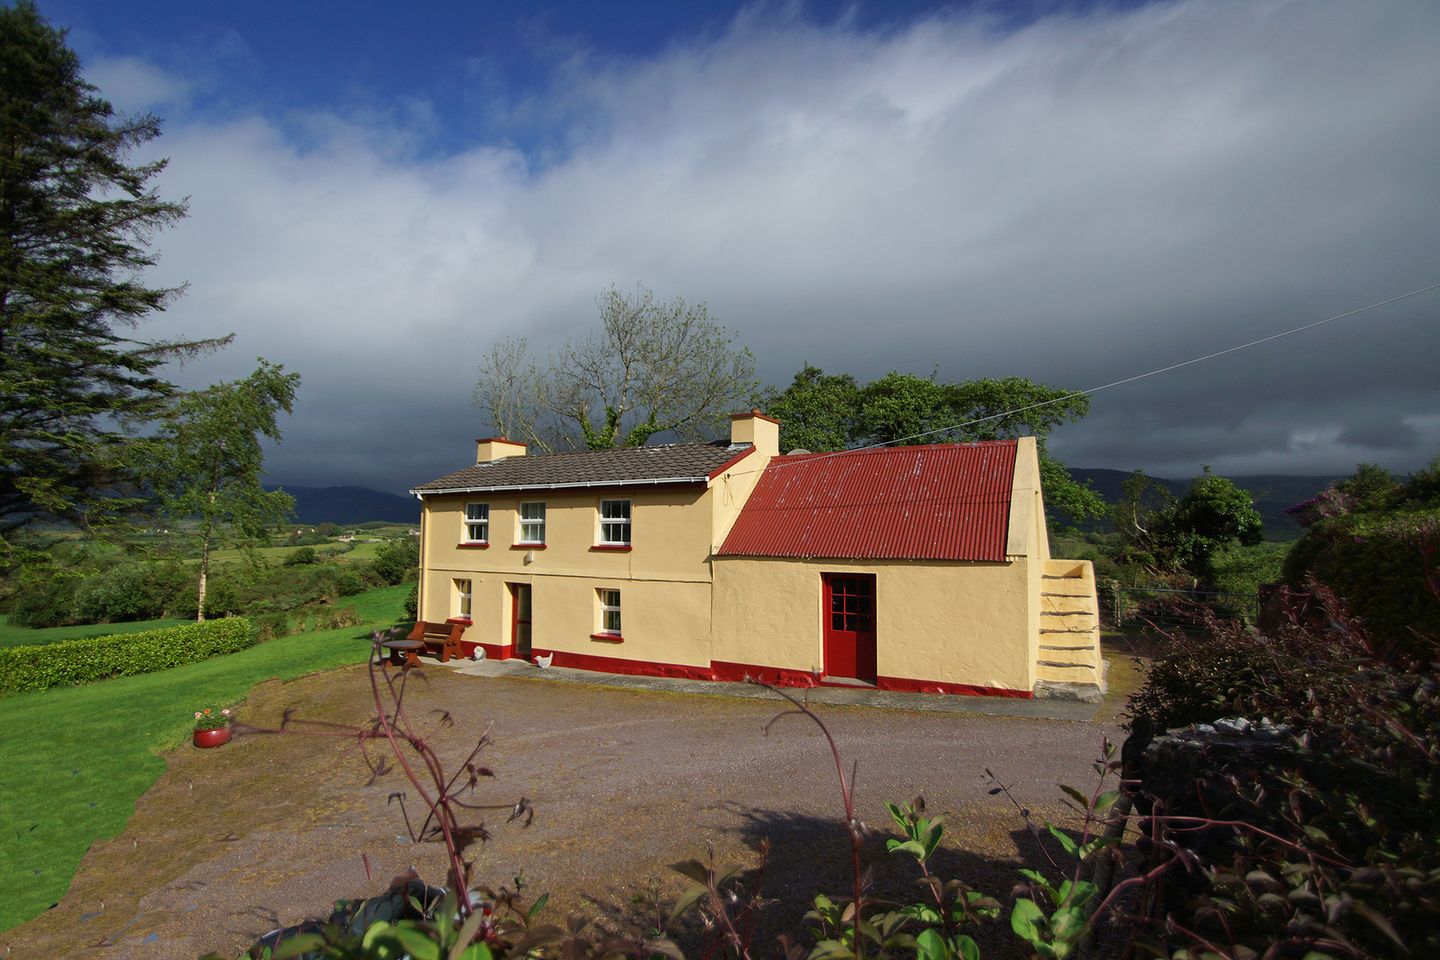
75 221
1185 535
208 463
653 367
820 411
1212 514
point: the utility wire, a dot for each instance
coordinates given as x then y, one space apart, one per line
1122 381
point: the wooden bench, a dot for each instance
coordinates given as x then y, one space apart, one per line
439 638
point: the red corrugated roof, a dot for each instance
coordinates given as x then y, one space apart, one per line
938 502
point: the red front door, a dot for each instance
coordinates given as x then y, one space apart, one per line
850 626
520 620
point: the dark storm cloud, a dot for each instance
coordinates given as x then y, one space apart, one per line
1090 197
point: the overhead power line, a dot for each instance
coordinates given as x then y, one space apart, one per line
1131 379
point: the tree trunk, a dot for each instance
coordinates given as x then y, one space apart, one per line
204 576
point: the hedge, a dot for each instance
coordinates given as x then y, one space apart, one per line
73 662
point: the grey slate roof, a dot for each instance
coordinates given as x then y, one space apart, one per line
665 463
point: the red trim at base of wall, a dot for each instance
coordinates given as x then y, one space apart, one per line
737 672
493 651
643 668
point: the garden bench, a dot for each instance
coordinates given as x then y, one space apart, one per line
442 639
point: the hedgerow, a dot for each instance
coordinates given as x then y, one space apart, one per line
74 662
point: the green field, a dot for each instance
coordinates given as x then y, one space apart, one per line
26 637
75 759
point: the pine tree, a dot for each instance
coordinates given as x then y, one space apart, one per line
75 223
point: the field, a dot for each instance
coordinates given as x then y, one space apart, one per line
77 758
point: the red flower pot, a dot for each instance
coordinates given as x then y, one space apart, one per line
212 738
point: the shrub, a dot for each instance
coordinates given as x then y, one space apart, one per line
131 591
73 662
302 557
275 623
47 601
397 561
1328 838
412 602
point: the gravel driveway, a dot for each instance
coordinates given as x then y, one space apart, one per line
269 830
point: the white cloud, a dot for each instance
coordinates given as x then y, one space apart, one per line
136 85
1085 198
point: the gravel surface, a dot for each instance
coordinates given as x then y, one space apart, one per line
269 830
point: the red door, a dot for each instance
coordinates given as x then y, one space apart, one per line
520 620
850 626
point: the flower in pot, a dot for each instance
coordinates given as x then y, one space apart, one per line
212 727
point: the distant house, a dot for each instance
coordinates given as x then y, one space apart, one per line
910 568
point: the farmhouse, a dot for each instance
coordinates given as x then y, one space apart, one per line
907 568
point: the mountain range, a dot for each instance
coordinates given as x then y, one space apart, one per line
1272 493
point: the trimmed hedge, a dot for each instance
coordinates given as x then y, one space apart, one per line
70 663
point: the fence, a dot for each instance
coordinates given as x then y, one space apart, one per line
1167 606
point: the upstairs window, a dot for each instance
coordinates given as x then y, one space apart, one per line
477 523
532 523
609 612
615 522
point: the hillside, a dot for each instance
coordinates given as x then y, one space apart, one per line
1272 493
351 505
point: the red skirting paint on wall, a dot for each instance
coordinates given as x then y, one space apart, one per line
738 672
493 651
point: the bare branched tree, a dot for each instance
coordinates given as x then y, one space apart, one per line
652 367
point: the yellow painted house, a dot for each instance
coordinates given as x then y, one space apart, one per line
905 568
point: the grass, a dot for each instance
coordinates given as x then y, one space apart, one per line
74 760
26 636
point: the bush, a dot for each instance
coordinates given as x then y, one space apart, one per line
270 625
47 601
1336 821
131 591
397 561
302 557
1375 562
412 602
73 662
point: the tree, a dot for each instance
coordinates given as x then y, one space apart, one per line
75 221
207 461
653 367
1212 514
819 411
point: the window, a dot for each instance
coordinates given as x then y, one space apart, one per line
532 523
609 612
462 599
477 523
615 522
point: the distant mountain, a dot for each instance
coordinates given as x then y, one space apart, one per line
351 505
1272 494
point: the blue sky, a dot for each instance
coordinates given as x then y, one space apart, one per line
1073 193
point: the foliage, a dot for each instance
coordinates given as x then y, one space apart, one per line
96 590
397 561
208 461
1374 537
817 411
72 662
653 367
822 412
75 223
77 758
1327 845
412 602
301 557
1168 535
210 718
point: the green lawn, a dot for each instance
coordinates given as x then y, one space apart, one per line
25 636
74 760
